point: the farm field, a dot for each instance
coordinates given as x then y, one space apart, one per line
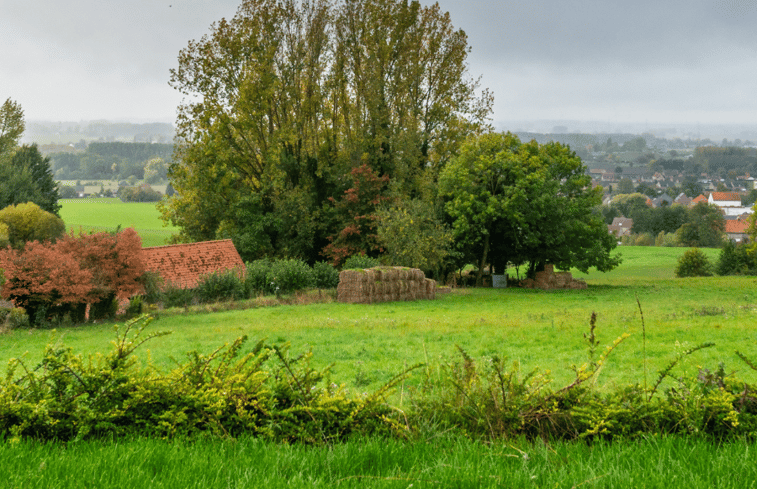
368 344
106 214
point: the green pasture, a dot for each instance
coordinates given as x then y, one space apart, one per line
368 344
443 461
106 214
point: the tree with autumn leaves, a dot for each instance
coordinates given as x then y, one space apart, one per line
50 279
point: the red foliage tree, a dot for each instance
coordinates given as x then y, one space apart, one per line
356 211
41 276
76 270
115 261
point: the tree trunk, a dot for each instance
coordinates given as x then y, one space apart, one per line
480 272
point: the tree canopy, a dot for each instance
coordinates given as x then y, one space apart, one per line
288 97
513 202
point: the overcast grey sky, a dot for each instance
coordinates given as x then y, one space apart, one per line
659 61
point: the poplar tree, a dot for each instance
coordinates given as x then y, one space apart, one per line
285 99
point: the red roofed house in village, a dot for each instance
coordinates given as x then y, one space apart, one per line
725 199
182 265
698 199
736 230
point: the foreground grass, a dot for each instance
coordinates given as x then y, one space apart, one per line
106 214
444 461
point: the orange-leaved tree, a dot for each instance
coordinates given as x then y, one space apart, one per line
42 279
115 261
53 278
356 214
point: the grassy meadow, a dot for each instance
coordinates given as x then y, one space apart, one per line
106 214
366 345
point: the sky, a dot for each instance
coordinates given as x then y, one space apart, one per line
648 61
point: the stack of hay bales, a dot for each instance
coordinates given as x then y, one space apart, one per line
549 280
384 284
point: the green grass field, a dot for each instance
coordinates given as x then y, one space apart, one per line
445 461
106 214
368 344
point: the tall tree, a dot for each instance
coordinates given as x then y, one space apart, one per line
289 96
11 126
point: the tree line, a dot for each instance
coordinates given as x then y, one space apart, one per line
322 129
114 161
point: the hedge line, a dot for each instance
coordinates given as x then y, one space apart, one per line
269 393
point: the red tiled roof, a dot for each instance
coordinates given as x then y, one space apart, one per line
726 196
698 199
183 264
736 226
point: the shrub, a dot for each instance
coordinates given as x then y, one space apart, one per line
220 286
176 296
152 287
58 277
28 222
106 308
17 318
644 239
736 260
666 239
693 263
256 279
286 276
265 392
325 276
360 261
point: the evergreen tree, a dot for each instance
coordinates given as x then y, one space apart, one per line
29 158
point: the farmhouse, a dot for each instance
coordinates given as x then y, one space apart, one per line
183 264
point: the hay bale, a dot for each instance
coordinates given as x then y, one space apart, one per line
384 284
563 279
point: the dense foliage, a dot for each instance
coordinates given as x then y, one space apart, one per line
693 263
143 193
114 161
290 98
513 202
264 392
28 222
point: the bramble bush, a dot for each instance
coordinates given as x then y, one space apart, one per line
265 392
268 393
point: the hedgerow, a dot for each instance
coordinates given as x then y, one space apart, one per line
269 393
265 392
